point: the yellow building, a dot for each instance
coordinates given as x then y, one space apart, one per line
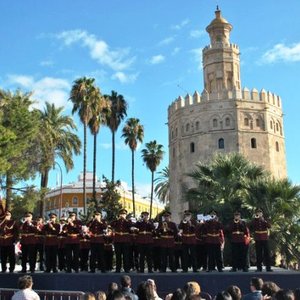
63 199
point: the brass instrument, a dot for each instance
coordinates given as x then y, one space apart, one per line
165 226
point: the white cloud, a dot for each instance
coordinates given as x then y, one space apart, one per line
53 90
281 52
181 24
175 51
166 41
46 63
125 78
157 59
196 33
117 59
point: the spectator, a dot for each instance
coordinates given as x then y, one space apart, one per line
235 292
179 294
192 288
112 287
126 287
255 288
268 289
141 290
25 284
89 296
297 294
284 295
118 295
223 296
151 291
100 295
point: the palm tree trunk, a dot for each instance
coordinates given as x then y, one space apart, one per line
113 158
9 185
132 178
84 167
94 167
44 185
151 197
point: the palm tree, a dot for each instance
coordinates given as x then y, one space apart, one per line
162 187
118 113
56 140
133 132
81 95
100 109
152 156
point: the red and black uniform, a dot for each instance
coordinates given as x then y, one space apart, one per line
201 246
97 231
39 237
188 232
215 241
122 240
238 233
144 241
167 231
156 250
51 232
8 236
84 252
28 231
178 252
108 250
260 228
61 251
72 244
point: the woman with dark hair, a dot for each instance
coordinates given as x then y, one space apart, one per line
223 296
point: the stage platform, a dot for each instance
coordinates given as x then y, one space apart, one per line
166 282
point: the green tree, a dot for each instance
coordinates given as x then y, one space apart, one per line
133 132
56 140
100 107
81 95
152 156
118 113
162 186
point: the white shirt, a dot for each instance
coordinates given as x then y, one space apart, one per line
26 294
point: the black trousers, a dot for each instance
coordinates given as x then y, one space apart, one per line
72 257
97 257
122 255
167 254
28 255
40 254
108 259
239 256
189 257
51 254
84 259
8 252
61 254
145 250
156 258
214 257
262 254
201 256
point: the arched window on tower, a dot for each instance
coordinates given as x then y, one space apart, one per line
187 127
215 123
271 124
277 127
246 122
172 134
253 143
227 121
174 152
176 131
197 125
192 147
221 143
257 123
277 146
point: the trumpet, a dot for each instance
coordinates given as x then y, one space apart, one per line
165 226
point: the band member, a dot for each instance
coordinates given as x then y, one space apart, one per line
168 231
51 231
97 230
187 229
8 236
84 249
61 251
144 241
108 249
39 237
239 235
201 246
28 231
121 228
156 249
72 242
215 242
260 227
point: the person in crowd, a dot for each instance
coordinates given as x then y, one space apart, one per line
25 284
118 295
141 291
98 230
261 227
84 249
191 288
39 237
215 242
223 296
151 290
269 288
126 287
61 251
108 249
178 294
112 287
100 295
284 295
8 237
297 294
235 292
256 284
201 247
187 229
28 231
122 228
89 296
51 231
156 249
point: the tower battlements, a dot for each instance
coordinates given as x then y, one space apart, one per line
244 95
220 46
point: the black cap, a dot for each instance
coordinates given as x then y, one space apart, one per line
52 215
258 210
187 212
28 214
72 213
97 213
144 213
213 212
167 214
237 212
122 211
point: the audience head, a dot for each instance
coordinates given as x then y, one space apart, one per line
117 295
25 282
89 296
284 295
179 294
256 284
297 294
112 286
141 290
125 281
192 288
235 292
100 295
223 296
269 288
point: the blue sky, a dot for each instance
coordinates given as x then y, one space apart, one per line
150 52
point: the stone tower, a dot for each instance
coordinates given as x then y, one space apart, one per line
223 118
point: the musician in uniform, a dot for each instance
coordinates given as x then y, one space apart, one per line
8 236
51 231
260 227
156 257
84 248
108 249
61 251
72 243
144 241
215 242
122 228
168 231
39 237
201 248
238 232
97 231
187 229
28 231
